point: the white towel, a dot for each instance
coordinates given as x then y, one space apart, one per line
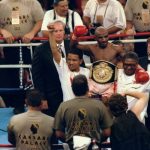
81 143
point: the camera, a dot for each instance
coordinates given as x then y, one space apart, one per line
93 28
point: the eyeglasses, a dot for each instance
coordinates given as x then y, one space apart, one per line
129 65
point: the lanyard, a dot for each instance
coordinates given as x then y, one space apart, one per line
67 17
96 11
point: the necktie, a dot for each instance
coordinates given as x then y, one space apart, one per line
60 50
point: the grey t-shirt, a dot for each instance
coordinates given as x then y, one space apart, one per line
82 116
32 130
20 16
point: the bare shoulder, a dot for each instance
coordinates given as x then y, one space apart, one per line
93 47
117 48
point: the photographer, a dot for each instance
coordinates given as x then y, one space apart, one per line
61 12
107 13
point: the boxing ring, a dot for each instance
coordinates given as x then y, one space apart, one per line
7 113
5 145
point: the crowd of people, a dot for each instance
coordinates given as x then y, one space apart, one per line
108 100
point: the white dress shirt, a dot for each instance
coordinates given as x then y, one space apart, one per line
66 76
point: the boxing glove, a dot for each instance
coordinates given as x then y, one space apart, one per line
141 76
80 31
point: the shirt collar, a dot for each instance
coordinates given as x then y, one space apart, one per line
82 97
62 44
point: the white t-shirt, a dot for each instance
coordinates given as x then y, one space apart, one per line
66 76
111 10
49 17
127 83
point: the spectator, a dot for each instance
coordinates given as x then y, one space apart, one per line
73 5
22 26
19 19
127 132
66 70
82 115
138 17
61 12
132 78
32 129
45 75
107 13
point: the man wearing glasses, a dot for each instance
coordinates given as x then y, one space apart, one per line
132 78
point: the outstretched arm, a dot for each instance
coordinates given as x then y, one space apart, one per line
142 98
74 43
53 45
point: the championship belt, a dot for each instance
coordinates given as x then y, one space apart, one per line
103 72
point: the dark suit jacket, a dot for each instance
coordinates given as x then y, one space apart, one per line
45 76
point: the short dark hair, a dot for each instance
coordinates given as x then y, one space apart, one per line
131 55
117 104
57 1
80 85
76 51
34 98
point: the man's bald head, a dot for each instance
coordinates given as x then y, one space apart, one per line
101 31
101 34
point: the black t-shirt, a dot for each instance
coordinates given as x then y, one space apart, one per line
128 133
